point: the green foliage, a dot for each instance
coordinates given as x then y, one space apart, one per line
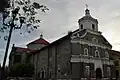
22 70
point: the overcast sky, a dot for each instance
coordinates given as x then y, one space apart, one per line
63 16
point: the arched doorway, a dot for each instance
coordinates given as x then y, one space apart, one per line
98 73
43 74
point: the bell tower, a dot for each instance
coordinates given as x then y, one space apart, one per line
88 22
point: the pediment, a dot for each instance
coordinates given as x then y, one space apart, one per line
92 37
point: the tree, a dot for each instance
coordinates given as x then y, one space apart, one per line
22 70
13 19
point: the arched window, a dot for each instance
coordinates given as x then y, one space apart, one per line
116 63
106 55
86 52
108 71
97 54
42 73
58 70
94 40
87 70
93 26
81 26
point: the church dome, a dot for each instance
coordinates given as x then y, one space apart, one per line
88 22
88 17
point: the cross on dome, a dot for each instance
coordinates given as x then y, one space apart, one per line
87 21
86 6
87 12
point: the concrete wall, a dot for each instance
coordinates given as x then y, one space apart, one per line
59 55
40 61
78 49
59 58
78 70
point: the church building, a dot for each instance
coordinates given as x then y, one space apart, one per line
79 55
83 53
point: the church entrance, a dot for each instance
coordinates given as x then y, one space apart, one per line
117 74
98 73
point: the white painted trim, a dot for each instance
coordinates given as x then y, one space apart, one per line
90 44
75 32
78 35
96 51
93 32
83 35
78 58
72 37
94 40
106 55
85 51
87 30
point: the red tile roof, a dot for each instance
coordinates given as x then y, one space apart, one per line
24 50
40 41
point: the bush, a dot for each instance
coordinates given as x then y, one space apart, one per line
22 70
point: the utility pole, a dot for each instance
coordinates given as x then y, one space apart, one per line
6 51
9 38
8 42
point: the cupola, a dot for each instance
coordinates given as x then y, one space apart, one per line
88 22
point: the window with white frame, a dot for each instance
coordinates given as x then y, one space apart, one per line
58 70
87 70
106 55
42 73
86 52
97 54
94 40
78 35
108 71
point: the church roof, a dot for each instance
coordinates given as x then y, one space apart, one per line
40 41
87 18
68 37
117 53
57 41
22 50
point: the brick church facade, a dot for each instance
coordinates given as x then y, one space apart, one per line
81 54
